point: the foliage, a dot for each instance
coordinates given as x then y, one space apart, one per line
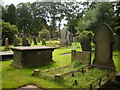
8 31
95 16
86 34
117 17
44 33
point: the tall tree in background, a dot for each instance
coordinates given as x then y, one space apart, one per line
101 13
24 18
11 14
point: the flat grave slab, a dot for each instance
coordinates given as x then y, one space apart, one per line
6 55
32 56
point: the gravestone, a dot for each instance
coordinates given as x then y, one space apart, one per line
68 37
85 44
25 42
16 40
71 37
63 36
103 47
43 42
34 40
6 43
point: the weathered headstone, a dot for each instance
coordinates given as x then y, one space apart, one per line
68 37
85 44
6 43
25 42
103 47
34 40
16 40
71 37
63 36
43 42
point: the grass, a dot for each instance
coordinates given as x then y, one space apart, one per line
13 77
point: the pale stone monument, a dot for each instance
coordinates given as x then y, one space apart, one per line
63 36
104 40
6 43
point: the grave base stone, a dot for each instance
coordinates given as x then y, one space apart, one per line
84 56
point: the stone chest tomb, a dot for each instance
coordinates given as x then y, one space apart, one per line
32 56
103 46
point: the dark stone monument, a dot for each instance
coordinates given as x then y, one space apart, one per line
34 40
85 44
103 47
25 42
32 56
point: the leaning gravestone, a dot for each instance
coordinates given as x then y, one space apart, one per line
103 47
6 43
34 40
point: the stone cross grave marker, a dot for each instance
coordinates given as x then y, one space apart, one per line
103 47
6 43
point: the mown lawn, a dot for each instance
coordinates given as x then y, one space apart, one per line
13 77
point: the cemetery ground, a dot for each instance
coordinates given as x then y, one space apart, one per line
13 77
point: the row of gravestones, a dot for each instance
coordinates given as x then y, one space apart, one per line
25 41
66 36
104 42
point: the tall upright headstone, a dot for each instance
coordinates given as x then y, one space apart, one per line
104 40
63 36
6 43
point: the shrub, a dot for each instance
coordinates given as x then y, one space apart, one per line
8 31
45 34
86 34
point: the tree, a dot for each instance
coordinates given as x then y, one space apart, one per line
101 13
11 14
8 31
24 17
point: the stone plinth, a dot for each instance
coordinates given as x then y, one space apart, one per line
32 56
